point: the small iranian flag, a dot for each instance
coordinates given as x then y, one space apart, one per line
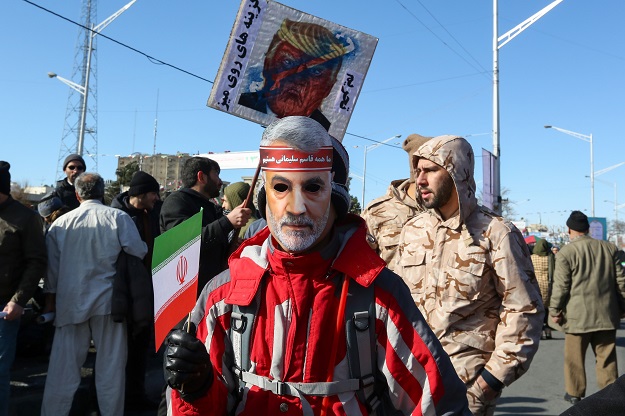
175 266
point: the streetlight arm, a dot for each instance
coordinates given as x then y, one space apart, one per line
79 88
515 31
364 166
107 21
587 139
571 133
602 171
373 146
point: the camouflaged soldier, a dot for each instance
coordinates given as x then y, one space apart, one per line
470 274
386 215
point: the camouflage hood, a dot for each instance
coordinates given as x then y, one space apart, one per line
456 156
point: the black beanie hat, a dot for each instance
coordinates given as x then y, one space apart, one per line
578 221
5 178
72 157
142 183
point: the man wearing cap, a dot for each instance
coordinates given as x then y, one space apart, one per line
296 275
588 300
83 248
300 68
142 202
22 264
73 165
386 215
470 274
201 183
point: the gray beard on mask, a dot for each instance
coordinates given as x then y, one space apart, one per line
297 240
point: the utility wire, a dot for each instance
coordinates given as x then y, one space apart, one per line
372 140
158 61
441 40
452 36
149 57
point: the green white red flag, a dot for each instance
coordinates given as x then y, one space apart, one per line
175 266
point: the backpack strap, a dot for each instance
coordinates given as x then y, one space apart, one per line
361 343
241 325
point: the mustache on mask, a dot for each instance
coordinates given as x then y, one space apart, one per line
298 221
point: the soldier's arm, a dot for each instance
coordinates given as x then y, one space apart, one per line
521 312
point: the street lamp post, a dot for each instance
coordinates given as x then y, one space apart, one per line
364 168
505 38
84 89
588 139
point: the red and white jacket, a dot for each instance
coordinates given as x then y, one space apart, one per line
294 330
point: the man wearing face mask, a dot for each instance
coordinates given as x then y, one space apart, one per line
291 289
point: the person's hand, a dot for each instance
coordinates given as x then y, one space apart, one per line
239 216
13 310
489 392
187 364
557 318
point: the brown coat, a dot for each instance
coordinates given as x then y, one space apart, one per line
471 276
385 217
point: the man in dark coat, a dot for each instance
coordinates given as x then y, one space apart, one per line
201 182
142 202
73 165
23 261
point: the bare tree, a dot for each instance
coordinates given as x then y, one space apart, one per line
18 192
507 205
616 229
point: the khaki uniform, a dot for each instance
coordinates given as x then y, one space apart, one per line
385 217
472 278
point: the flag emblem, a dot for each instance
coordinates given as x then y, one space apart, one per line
182 269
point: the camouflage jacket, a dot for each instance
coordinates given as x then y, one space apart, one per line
385 217
471 276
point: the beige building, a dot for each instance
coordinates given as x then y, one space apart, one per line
164 168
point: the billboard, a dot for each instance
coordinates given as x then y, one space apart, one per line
598 228
280 61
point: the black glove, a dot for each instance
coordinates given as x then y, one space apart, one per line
187 365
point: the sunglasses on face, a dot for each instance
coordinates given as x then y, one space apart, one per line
74 167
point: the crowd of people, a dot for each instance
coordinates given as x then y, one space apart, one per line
427 303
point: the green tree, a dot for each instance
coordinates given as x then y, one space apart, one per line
355 206
124 176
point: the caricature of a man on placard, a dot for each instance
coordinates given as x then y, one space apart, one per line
300 68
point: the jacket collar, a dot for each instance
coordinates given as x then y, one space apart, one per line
347 253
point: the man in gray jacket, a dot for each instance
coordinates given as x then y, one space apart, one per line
587 300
